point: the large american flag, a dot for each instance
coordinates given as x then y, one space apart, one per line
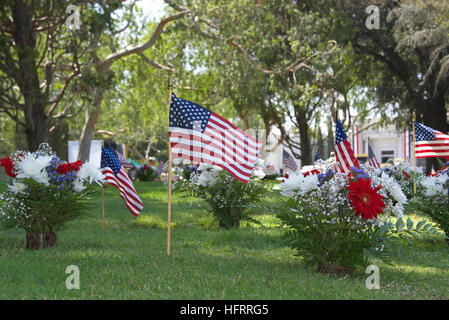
430 142
372 161
202 136
343 152
115 174
288 161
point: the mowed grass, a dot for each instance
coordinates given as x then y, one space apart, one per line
128 259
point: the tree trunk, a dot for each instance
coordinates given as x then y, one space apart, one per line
36 125
303 127
92 114
147 151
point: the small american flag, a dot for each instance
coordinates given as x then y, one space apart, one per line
202 136
115 174
430 142
433 173
372 161
288 161
317 157
160 168
122 159
343 152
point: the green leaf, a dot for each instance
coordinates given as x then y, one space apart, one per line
409 224
400 224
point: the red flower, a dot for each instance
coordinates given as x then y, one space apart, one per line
66 167
364 199
286 175
9 166
314 171
282 171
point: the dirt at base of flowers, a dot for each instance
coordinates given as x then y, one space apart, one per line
335 270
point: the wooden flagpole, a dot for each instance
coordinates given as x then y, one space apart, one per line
102 196
102 208
414 151
169 173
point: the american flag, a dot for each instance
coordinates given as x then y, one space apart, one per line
116 176
317 157
288 161
122 159
433 173
200 135
430 142
160 168
372 161
343 152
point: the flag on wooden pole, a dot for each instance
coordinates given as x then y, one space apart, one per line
203 136
343 152
317 157
372 161
430 142
115 175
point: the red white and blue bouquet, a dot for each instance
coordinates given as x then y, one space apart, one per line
339 221
45 192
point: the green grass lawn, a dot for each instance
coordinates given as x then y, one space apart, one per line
128 259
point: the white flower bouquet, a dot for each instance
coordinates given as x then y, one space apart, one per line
432 199
228 198
45 193
338 221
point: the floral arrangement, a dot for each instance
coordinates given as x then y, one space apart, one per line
338 221
432 199
45 192
228 198
404 174
146 173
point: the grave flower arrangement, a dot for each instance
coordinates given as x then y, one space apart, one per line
405 175
228 199
338 221
45 193
146 173
432 199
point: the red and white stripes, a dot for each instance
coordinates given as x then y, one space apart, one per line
125 186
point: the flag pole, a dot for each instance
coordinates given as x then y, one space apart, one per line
102 196
169 173
102 207
414 151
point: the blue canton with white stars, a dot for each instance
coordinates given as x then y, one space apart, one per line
340 133
188 115
424 133
370 152
108 159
